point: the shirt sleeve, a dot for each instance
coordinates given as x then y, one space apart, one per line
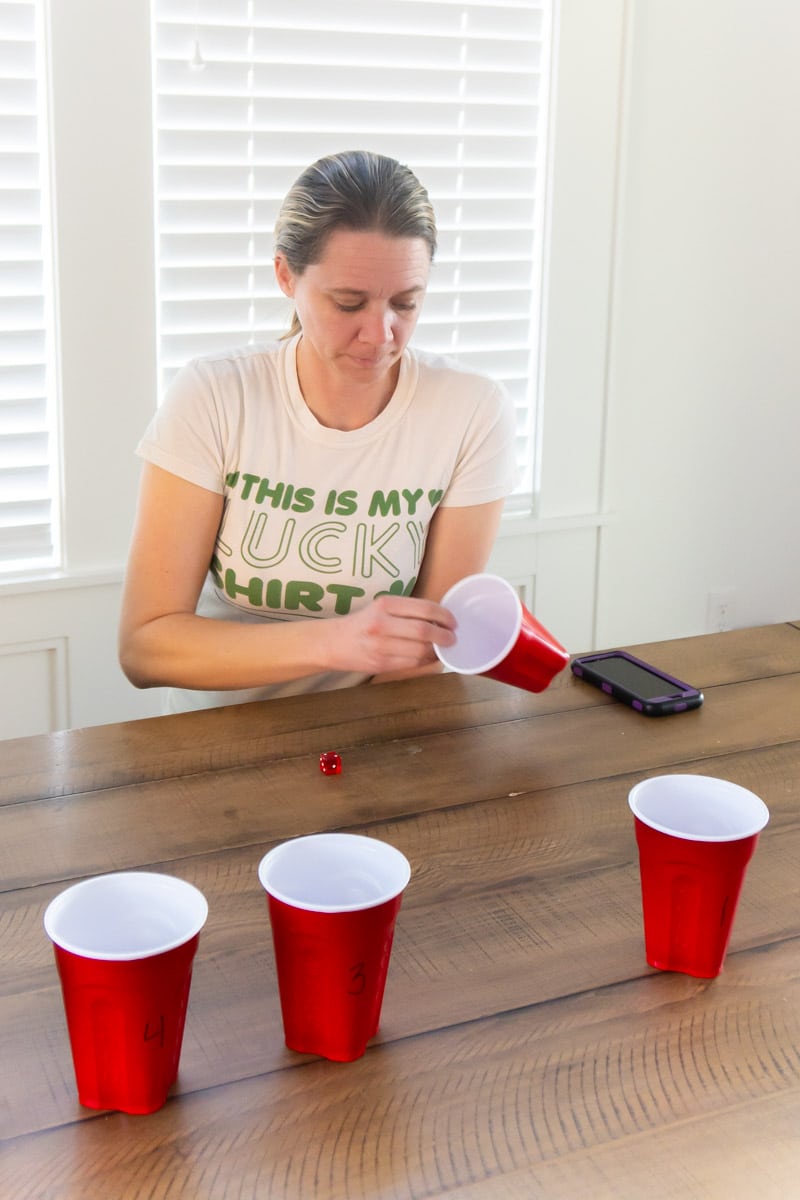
185 436
486 467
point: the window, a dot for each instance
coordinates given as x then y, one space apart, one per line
248 92
28 535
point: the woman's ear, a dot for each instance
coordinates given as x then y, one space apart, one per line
284 275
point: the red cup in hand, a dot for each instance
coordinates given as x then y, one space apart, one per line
497 636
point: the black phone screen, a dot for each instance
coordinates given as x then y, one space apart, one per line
636 679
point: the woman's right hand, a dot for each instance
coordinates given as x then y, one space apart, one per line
392 633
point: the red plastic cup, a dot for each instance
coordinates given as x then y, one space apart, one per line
333 900
696 836
497 636
124 945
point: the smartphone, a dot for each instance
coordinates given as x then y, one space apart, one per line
637 683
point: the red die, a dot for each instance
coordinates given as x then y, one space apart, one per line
330 763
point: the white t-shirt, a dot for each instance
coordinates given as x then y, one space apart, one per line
319 521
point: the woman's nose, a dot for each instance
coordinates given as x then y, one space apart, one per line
377 328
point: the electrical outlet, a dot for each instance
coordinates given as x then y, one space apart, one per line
721 611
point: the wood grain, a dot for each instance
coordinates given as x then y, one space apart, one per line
158 821
526 1049
107 756
614 1075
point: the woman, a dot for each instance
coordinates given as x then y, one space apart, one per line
305 505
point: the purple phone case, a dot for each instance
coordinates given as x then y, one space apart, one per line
688 697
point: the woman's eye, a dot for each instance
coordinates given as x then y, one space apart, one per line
397 306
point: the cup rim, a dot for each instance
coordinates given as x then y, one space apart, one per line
710 784
385 849
490 664
170 883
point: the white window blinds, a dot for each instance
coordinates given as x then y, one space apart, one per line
27 475
249 92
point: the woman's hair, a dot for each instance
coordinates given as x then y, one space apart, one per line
355 190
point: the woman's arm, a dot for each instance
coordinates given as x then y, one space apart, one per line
163 643
459 543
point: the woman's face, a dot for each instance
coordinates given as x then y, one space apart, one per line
359 304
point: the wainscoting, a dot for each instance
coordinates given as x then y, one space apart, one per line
58 659
58 656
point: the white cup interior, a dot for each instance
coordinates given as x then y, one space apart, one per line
334 872
698 808
128 915
488 613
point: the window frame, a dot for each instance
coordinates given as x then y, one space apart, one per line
218 187
101 150
29 30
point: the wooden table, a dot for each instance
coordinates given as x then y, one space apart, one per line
526 1048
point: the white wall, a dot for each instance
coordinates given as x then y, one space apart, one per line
670 378
58 664
701 470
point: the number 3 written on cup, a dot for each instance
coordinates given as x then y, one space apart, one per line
358 980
